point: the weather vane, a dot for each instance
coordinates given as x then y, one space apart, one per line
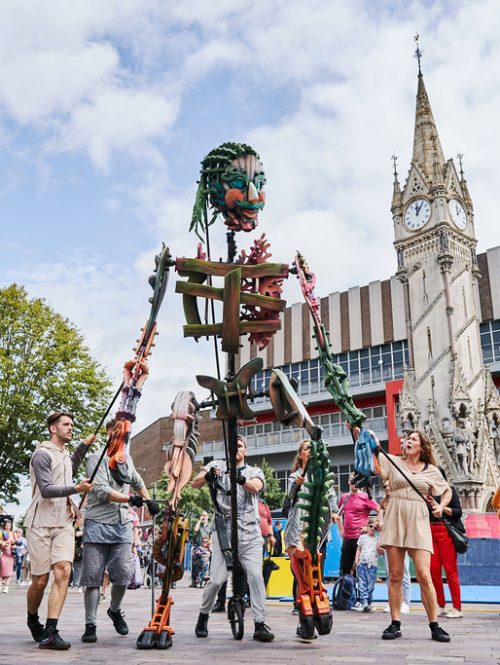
418 52
395 165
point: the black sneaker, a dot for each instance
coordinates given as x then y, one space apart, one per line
54 641
118 622
262 633
219 607
90 633
439 634
392 632
201 628
302 635
36 629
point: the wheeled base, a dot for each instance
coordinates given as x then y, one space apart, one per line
158 634
312 598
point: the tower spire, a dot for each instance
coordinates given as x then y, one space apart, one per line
463 181
396 190
427 148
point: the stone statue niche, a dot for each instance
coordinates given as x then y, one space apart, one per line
465 442
495 438
408 423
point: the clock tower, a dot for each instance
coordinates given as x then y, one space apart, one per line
447 391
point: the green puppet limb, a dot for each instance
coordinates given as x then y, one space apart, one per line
336 381
313 496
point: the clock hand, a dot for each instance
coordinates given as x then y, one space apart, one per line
417 208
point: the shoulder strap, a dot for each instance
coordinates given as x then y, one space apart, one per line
396 466
344 502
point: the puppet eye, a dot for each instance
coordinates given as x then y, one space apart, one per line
238 183
259 181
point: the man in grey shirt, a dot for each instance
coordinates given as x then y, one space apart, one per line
107 539
250 483
51 540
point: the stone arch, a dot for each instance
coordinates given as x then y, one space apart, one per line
488 505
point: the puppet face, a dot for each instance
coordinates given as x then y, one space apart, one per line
239 194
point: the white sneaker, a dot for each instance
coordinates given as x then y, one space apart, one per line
405 608
454 614
387 609
358 607
442 611
6 589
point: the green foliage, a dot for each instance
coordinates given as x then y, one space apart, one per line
192 502
45 366
273 495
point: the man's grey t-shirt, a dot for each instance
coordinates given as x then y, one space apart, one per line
108 521
248 512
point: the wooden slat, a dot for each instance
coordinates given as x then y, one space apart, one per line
231 312
185 266
245 327
213 293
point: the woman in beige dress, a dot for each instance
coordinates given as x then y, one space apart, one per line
406 526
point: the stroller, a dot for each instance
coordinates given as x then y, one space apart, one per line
200 565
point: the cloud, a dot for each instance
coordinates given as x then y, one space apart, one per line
333 88
117 120
109 304
55 79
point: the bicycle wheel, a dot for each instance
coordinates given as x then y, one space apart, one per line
235 614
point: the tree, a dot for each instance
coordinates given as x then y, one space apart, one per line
273 495
192 502
44 366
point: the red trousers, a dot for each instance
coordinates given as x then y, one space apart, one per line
444 555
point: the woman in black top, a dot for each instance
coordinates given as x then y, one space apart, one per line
446 555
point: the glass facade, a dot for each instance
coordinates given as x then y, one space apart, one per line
262 435
490 341
341 472
364 367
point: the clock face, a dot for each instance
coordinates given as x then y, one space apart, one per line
417 214
457 213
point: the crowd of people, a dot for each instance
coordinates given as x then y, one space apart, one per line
106 545
14 558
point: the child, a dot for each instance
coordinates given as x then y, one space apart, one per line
366 567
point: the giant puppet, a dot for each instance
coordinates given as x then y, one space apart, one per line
247 288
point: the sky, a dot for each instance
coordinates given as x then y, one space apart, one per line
107 108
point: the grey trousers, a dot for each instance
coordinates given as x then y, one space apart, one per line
250 556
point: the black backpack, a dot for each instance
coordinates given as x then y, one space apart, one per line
345 593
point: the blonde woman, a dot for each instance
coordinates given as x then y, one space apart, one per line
407 528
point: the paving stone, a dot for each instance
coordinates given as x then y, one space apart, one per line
355 637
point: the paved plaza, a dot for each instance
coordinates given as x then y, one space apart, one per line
355 637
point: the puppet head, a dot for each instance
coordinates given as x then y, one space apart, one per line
231 182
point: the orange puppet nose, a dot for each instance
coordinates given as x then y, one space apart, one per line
253 195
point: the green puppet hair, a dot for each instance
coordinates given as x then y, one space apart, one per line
212 167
